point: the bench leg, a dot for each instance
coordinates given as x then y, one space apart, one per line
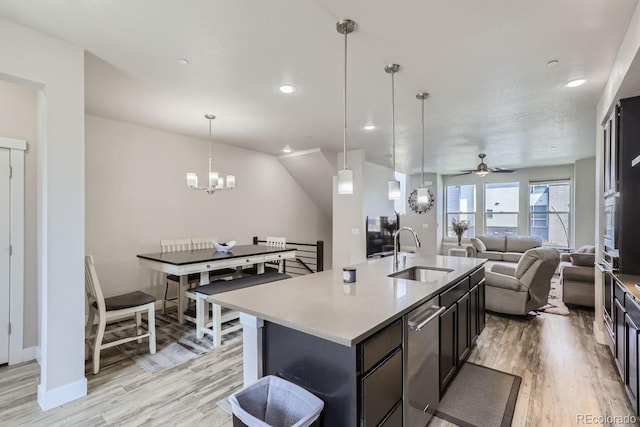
217 324
201 316
151 325
139 330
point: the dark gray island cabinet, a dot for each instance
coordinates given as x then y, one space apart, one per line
349 343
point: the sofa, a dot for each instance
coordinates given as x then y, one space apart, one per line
503 247
577 275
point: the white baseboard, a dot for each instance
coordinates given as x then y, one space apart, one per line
598 333
59 396
30 353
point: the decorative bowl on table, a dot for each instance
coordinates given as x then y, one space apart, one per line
224 247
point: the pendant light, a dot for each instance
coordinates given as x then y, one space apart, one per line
345 176
423 195
216 182
394 185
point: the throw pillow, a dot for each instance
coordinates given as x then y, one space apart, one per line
586 249
478 244
583 259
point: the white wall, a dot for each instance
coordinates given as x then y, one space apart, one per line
18 119
522 176
56 69
376 191
137 195
584 202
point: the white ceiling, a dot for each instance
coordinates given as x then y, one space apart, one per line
484 63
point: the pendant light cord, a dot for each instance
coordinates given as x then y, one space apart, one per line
393 121
422 164
210 165
344 95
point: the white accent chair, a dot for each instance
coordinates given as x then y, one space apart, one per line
114 309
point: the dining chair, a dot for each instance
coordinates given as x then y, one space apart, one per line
112 309
275 265
176 245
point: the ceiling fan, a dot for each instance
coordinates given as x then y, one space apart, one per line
482 169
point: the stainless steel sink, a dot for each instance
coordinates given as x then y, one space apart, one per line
422 274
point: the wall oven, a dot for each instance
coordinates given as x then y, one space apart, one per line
610 223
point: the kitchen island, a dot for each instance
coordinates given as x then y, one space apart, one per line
344 341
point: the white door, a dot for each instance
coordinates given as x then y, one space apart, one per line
5 229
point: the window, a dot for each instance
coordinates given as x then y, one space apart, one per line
550 212
461 204
501 207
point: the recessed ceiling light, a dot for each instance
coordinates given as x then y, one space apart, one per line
369 127
288 89
286 149
576 83
183 61
553 63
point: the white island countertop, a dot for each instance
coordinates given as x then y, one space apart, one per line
322 305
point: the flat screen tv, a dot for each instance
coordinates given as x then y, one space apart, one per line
380 232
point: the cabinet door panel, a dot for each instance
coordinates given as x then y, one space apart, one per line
619 336
448 353
474 315
631 371
463 328
481 306
382 389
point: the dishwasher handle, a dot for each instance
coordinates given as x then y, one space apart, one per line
417 325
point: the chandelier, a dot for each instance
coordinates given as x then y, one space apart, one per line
216 182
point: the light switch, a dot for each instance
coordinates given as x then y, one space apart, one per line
355 231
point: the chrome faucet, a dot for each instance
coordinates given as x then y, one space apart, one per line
395 244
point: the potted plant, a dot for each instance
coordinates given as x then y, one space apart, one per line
459 226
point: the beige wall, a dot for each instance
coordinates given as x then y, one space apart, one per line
136 195
18 119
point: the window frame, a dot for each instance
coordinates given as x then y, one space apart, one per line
484 202
548 212
472 214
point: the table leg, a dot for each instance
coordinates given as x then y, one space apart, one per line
252 347
260 268
182 300
204 278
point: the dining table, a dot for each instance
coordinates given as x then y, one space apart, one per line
183 263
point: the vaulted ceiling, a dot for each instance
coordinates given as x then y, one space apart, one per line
483 62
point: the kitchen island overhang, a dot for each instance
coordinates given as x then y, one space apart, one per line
319 321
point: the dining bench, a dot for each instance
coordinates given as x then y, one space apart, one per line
220 315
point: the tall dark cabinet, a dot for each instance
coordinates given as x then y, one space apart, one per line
624 147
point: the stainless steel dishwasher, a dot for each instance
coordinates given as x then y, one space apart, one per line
422 367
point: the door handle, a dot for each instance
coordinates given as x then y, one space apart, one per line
422 324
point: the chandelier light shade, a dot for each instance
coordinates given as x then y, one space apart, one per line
216 182
345 176
394 185
423 196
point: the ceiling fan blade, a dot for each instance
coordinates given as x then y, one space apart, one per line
500 170
467 172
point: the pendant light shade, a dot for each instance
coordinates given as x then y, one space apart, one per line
345 176
345 181
423 196
394 190
394 185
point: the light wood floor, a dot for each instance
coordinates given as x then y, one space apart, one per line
564 371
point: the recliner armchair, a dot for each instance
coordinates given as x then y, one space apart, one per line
523 288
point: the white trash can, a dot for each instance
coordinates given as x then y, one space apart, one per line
274 402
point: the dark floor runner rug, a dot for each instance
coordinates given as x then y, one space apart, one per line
480 397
